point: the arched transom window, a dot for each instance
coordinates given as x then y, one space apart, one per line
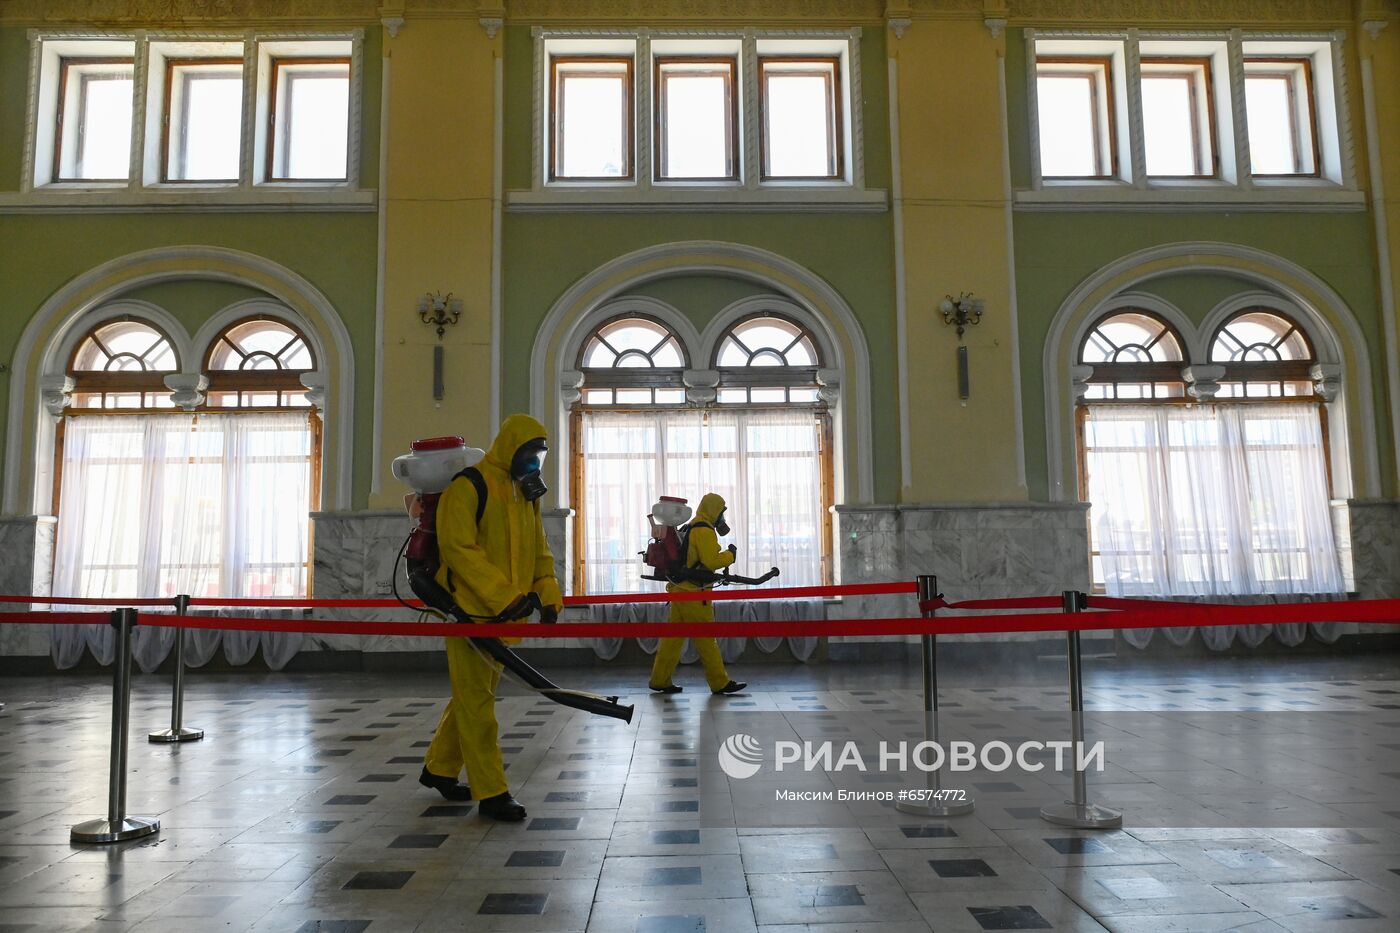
633 360
258 363
765 360
122 364
1265 356
1135 355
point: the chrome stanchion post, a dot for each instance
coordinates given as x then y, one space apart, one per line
177 731
118 827
1079 812
935 805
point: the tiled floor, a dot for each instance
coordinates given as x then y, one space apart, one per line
301 812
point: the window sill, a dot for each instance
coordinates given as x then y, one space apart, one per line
1273 196
202 199
786 198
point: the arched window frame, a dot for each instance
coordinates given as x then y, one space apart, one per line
287 383
1275 380
620 387
87 386
785 385
1135 381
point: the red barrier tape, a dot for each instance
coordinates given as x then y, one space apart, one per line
1011 602
1115 602
80 601
1374 611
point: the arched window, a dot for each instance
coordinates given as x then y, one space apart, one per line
258 363
1223 491
1265 356
633 360
767 360
1134 355
164 489
753 428
122 364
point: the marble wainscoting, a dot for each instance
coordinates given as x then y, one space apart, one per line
354 557
1375 547
27 570
977 551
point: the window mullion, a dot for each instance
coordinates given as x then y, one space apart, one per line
248 110
1137 145
140 77
643 126
749 117
1243 168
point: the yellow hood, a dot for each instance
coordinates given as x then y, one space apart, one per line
710 508
515 432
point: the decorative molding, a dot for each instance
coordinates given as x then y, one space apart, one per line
1184 11
1374 27
392 25
315 383
900 25
187 389
55 393
492 24
695 10
1203 380
570 384
1079 382
995 25
1327 380
701 385
829 385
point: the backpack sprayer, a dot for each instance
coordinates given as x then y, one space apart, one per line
428 470
670 545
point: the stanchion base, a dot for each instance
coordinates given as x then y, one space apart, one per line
133 827
177 735
1082 815
957 808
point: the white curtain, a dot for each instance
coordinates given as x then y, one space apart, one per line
1210 501
766 463
163 504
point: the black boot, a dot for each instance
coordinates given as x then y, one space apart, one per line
732 687
502 807
449 787
669 688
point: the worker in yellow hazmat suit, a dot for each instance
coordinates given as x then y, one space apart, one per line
490 568
702 551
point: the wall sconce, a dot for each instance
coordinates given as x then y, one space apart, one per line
964 311
441 310
438 310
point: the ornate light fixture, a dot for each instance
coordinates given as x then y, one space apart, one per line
439 309
964 310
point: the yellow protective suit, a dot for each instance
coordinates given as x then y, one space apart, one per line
704 551
486 568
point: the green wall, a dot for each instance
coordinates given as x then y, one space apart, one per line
335 251
543 254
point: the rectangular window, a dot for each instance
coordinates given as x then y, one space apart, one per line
203 119
770 465
1075 101
1282 121
697 116
591 132
93 132
802 133
1214 500
309 119
1178 117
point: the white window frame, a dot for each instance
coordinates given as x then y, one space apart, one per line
144 187
749 191
1234 185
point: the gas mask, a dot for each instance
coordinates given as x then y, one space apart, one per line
525 468
721 526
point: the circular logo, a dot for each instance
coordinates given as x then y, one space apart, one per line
740 756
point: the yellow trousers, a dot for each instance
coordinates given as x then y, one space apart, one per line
668 652
467 735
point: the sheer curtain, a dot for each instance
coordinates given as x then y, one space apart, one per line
1210 501
766 463
162 504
